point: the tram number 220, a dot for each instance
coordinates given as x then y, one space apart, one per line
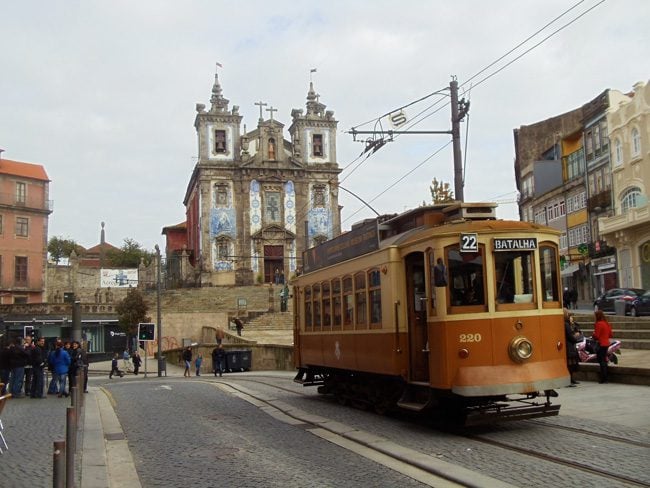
470 337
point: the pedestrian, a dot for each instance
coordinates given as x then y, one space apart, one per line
5 368
28 346
75 364
238 325
572 358
284 298
187 358
126 359
85 363
220 334
137 361
277 276
39 360
566 297
440 273
18 359
574 298
53 387
60 365
218 356
602 334
114 369
197 364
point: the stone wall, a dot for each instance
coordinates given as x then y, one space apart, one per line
263 357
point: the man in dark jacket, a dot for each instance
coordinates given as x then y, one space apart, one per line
5 368
38 359
18 359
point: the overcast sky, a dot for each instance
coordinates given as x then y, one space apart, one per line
103 93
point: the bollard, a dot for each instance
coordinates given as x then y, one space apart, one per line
58 465
70 445
74 402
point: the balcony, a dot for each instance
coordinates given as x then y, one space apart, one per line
600 201
29 203
633 217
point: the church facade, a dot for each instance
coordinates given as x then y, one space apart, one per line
256 200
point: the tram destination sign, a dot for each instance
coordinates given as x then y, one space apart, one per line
514 244
358 241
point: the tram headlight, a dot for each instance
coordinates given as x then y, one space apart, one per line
520 349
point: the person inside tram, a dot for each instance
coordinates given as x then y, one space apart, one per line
505 293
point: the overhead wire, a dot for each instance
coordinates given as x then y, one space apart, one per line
417 121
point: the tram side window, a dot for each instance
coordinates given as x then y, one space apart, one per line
548 267
466 276
308 320
360 300
336 302
327 311
374 294
348 303
513 271
316 302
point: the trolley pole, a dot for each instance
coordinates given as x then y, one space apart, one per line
455 137
158 319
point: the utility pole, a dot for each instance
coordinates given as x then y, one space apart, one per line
455 138
158 319
458 111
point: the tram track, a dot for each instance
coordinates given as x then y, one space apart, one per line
585 467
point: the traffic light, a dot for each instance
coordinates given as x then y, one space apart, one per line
146 331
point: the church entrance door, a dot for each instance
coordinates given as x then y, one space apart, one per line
273 260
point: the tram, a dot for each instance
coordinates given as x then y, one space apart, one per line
443 310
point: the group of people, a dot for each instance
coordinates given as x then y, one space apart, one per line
218 360
127 359
23 365
602 334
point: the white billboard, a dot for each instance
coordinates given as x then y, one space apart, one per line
118 278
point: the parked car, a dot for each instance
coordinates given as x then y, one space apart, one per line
640 305
605 302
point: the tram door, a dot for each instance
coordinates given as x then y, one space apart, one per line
417 317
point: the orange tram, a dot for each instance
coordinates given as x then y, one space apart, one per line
442 309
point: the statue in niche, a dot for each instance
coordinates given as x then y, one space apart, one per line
271 148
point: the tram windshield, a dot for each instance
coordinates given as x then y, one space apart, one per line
466 286
513 271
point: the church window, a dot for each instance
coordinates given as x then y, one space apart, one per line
317 144
319 196
272 209
219 141
220 196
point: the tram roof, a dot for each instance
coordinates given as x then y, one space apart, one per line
388 230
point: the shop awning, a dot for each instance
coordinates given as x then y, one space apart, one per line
569 270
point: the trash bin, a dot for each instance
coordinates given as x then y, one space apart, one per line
246 359
232 361
238 360
619 307
162 365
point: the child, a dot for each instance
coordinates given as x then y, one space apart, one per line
197 364
114 369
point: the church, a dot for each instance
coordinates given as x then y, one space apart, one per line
256 200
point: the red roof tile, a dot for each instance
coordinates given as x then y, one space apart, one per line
26 170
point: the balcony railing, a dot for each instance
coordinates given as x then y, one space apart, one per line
602 201
28 203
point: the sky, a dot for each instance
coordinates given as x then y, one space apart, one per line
103 93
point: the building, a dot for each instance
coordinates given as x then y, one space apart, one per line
24 214
599 203
256 200
628 225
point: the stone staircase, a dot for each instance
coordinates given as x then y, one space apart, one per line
633 332
221 298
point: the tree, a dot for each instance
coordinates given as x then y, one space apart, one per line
60 248
129 255
132 310
441 192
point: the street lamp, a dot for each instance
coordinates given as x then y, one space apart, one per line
159 326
